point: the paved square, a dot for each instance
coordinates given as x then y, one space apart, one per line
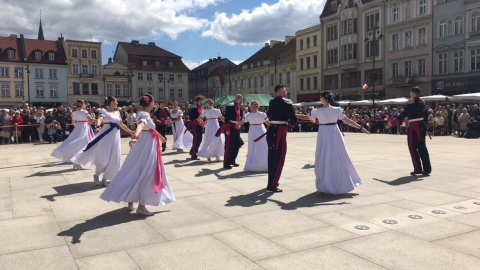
51 216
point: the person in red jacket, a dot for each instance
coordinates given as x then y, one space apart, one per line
17 121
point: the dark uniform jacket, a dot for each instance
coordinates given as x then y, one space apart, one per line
233 112
415 109
281 109
161 115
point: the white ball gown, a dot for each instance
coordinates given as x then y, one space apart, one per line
136 180
182 138
334 169
257 155
81 135
212 146
105 154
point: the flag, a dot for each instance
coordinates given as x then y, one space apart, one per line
365 87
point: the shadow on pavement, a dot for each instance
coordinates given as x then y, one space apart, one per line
71 189
401 181
54 164
51 173
308 166
205 172
242 174
248 200
315 199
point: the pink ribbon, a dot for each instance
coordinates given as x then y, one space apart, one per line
159 183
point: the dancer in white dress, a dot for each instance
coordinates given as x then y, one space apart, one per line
142 177
81 135
334 170
104 150
213 147
257 155
181 137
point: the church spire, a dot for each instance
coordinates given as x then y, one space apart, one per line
40 29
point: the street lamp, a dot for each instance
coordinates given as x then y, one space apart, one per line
373 37
20 72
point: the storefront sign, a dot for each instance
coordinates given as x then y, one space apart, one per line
465 84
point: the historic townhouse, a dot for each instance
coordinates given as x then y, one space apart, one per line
352 45
456 47
13 73
84 71
210 78
408 44
118 81
271 65
309 68
154 71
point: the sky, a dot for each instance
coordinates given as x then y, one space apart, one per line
196 30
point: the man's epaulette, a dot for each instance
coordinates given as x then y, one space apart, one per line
288 101
231 104
410 101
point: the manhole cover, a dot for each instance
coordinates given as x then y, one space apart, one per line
415 217
460 207
362 227
390 221
440 212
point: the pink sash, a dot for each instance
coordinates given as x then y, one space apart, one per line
159 182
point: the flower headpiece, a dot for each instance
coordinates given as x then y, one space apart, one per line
146 98
329 97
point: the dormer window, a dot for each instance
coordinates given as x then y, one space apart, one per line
38 55
10 53
334 5
157 64
51 56
144 63
170 64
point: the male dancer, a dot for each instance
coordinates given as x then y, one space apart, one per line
281 114
233 115
196 125
161 116
417 129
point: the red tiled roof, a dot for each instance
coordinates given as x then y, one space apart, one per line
10 43
44 46
145 50
208 64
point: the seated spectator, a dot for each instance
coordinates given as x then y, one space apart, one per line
54 132
473 129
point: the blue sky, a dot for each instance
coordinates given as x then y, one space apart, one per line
194 29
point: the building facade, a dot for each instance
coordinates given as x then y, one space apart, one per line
155 71
309 67
118 81
84 71
271 65
408 44
456 47
210 79
13 73
352 48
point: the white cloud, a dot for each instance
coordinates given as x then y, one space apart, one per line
265 22
103 19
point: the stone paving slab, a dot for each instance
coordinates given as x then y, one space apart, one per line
51 216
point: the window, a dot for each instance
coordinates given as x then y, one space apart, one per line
74 52
160 77
458 25
10 54
374 76
373 20
308 84
171 77
140 91
157 64
84 69
280 77
272 79
76 88
395 14
349 26
94 54
84 53
351 79
5 90
144 63
442 63
117 90
38 73
475 59
53 91
422 36
109 89
315 82
172 93
332 32
75 68
4 72
180 77
38 55
408 68
39 89
301 63
308 43
249 82
126 90
476 21
308 62
180 93
442 28
51 56
458 61
150 90
85 89
302 87
140 76
170 64
53 74
315 41
17 72
149 76
315 61
421 67
349 51
373 48
332 56
394 70
331 82
261 81
94 70
94 88
422 7
395 42
408 39
301 44
18 90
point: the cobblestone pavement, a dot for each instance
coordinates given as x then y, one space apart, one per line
51 216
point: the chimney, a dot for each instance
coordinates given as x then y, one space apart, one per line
110 60
219 57
288 39
13 36
151 44
267 44
273 42
135 42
